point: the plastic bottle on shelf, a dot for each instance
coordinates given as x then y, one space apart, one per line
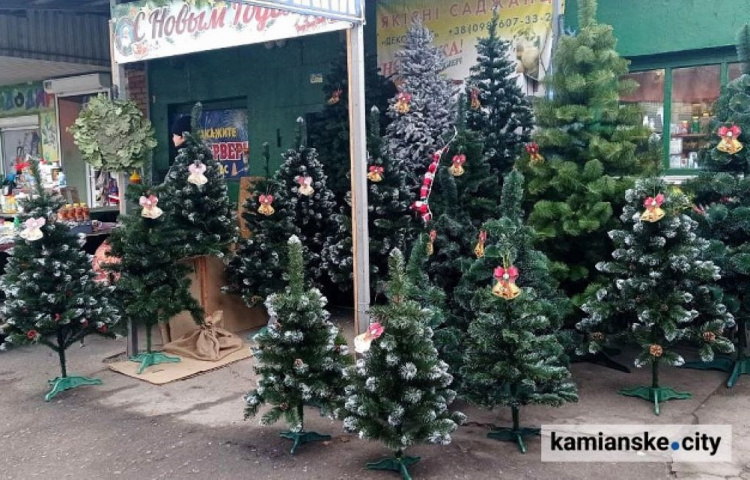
86 212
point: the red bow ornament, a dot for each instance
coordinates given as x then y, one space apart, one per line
305 186
457 169
375 173
533 150
653 212
506 283
150 210
479 249
729 143
362 342
403 102
335 97
265 205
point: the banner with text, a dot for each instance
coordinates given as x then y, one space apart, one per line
143 31
457 25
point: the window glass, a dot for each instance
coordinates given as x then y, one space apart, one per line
694 91
650 96
734 71
18 145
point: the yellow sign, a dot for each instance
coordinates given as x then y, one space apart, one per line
457 25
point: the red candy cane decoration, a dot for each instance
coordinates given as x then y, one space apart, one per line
422 206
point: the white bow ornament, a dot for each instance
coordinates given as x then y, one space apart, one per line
196 176
33 230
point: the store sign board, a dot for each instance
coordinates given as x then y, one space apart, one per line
143 31
225 133
457 25
349 10
25 99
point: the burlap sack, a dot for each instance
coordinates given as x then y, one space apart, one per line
207 342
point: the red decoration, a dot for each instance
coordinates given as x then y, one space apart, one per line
57 317
653 212
265 205
85 323
362 342
403 102
375 173
506 283
32 334
423 209
102 327
479 249
457 169
431 243
475 103
729 143
533 150
335 97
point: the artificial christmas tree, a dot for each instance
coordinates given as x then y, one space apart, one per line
52 298
498 109
422 112
302 205
588 146
195 197
329 131
722 193
399 391
301 357
152 286
662 288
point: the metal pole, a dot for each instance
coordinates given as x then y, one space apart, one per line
119 90
358 155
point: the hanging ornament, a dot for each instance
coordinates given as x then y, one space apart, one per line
375 173
362 342
656 350
265 205
729 143
135 177
335 97
431 243
533 150
475 103
457 169
709 337
653 212
32 335
33 229
403 102
196 176
506 283
479 249
150 210
305 185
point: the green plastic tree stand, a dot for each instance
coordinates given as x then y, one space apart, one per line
516 433
734 366
60 384
399 463
300 438
655 394
148 359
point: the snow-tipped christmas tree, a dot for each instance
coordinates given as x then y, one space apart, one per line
301 357
662 288
296 201
588 145
153 285
399 391
52 298
498 109
722 195
390 222
422 112
329 132
195 196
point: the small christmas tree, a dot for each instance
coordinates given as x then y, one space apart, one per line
498 109
301 357
662 288
587 148
423 110
512 355
51 296
399 392
722 193
329 133
391 224
195 196
296 201
153 286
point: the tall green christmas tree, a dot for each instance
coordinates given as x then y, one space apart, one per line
662 288
52 298
301 357
295 201
329 132
153 285
589 147
722 190
513 357
195 196
399 391
498 109
422 113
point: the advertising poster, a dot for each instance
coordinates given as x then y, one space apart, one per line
457 25
225 132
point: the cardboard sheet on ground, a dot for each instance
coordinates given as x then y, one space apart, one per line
170 372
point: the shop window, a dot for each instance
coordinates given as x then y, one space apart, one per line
650 96
694 91
734 71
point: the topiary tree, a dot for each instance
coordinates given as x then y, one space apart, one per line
399 391
51 297
662 288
